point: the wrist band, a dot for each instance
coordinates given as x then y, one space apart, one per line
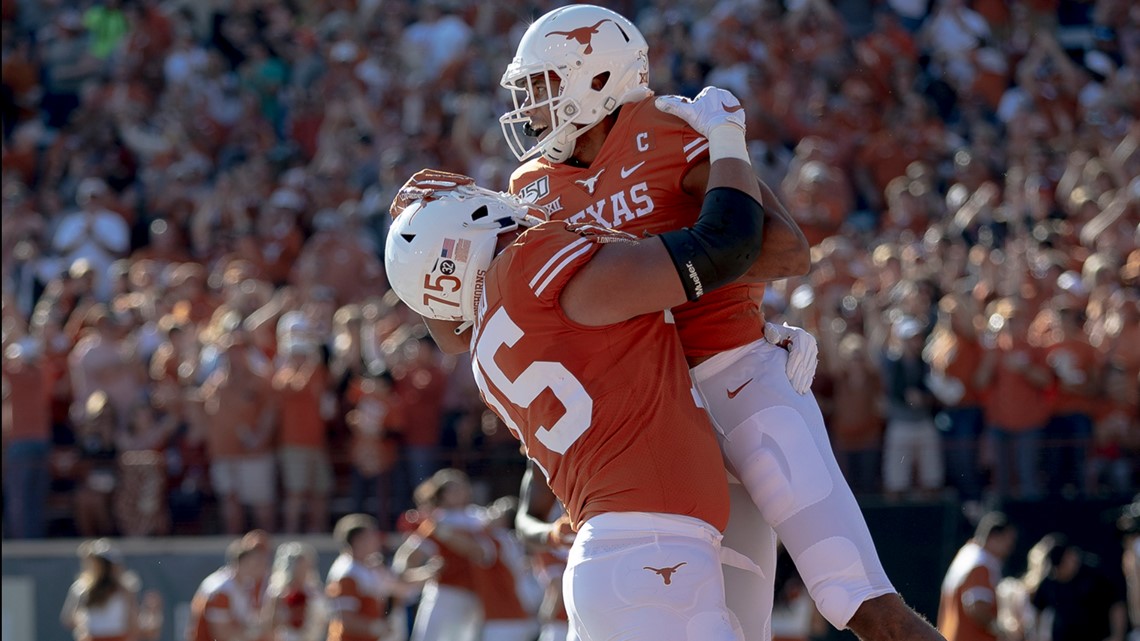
727 141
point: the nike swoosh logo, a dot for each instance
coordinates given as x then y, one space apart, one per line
733 392
731 110
626 173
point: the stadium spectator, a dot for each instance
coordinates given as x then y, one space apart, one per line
420 382
301 386
1077 368
103 602
27 437
141 503
240 424
97 467
1077 597
94 234
1015 372
953 354
911 444
856 419
377 423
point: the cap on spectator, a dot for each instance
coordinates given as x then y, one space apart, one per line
286 199
907 327
88 189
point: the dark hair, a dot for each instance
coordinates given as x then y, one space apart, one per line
101 583
351 526
990 524
1057 547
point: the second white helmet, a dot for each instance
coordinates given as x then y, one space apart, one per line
576 44
438 250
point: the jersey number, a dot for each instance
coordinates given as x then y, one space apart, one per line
501 332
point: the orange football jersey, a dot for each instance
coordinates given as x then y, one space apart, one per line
609 413
220 599
356 588
635 185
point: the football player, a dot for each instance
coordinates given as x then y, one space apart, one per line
568 320
599 147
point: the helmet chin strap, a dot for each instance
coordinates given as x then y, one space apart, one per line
561 148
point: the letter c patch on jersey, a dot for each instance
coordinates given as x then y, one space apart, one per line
644 141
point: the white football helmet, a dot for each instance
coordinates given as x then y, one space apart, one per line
577 44
439 248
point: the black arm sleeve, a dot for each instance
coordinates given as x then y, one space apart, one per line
721 246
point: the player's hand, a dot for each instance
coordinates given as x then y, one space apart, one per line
424 185
803 353
711 108
562 532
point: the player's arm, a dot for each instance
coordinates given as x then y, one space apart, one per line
536 500
785 250
624 280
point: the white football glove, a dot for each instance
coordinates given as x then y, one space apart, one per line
711 108
803 353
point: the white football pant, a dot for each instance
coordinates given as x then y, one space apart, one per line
636 576
775 442
448 613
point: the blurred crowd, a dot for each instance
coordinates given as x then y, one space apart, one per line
457 571
197 333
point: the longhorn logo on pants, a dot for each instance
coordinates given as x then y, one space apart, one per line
666 574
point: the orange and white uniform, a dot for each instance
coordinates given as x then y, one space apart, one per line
221 599
506 616
773 438
610 416
449 607
357 588
973 577
549 566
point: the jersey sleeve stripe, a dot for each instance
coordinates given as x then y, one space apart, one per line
554 259
562 265
696 152
694 143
